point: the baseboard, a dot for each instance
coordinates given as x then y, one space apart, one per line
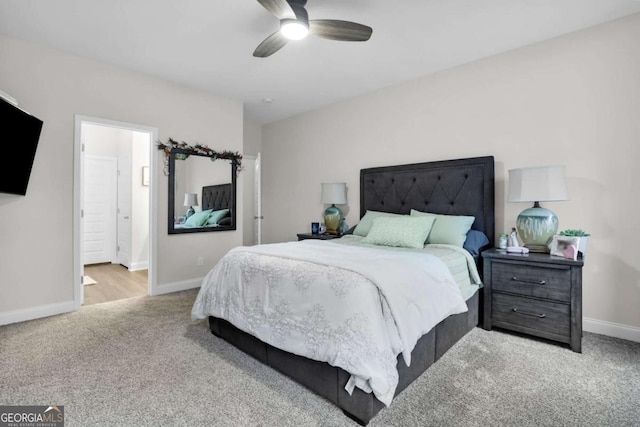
139 266
601 327
611 329
31 313
177 286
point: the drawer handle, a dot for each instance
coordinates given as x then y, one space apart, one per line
541 316
536 282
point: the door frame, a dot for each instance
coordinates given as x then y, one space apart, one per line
78 169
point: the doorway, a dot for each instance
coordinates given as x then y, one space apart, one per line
107 282
113 218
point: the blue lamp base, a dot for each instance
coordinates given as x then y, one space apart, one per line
332 219
536 228
190 211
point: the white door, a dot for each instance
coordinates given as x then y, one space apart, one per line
124 211
248 214
99 208
251 210
257 201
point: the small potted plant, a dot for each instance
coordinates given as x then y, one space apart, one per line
582 242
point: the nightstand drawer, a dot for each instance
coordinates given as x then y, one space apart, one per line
544 281
532 315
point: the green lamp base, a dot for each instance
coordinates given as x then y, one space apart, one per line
536 228
190 211
332 219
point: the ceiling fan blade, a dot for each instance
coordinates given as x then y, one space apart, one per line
270 45
280 8
339 30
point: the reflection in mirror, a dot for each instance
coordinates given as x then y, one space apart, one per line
202 193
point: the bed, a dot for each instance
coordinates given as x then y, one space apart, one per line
463 187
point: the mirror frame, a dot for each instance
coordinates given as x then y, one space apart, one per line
172 185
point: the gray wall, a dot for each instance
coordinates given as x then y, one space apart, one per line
571 100
36 231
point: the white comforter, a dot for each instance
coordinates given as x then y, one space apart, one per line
353 307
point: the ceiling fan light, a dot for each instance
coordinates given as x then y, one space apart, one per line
294 30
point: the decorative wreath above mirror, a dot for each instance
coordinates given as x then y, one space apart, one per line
198 149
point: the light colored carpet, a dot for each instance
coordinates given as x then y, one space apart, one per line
88 280
143 362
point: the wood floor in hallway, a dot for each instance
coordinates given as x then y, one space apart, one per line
114 282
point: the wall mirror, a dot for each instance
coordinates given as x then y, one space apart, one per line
202 193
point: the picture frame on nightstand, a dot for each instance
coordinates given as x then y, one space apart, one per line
560 243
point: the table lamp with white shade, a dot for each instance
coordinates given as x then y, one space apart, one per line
537 225
334 193
191 200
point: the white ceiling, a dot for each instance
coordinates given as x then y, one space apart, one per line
208 44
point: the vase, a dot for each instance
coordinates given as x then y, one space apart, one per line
582 246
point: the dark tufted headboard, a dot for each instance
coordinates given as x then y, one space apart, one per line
453 187
216 197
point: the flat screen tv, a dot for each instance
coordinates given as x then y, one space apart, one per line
20 133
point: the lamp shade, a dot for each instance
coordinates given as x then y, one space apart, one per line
537 184
334 193
190 199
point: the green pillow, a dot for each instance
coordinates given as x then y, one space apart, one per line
447 229
198 219
363 227
404 231
216 216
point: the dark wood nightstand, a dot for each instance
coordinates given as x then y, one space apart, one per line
536 294
326 236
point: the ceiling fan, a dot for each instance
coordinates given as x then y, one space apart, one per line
295 25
